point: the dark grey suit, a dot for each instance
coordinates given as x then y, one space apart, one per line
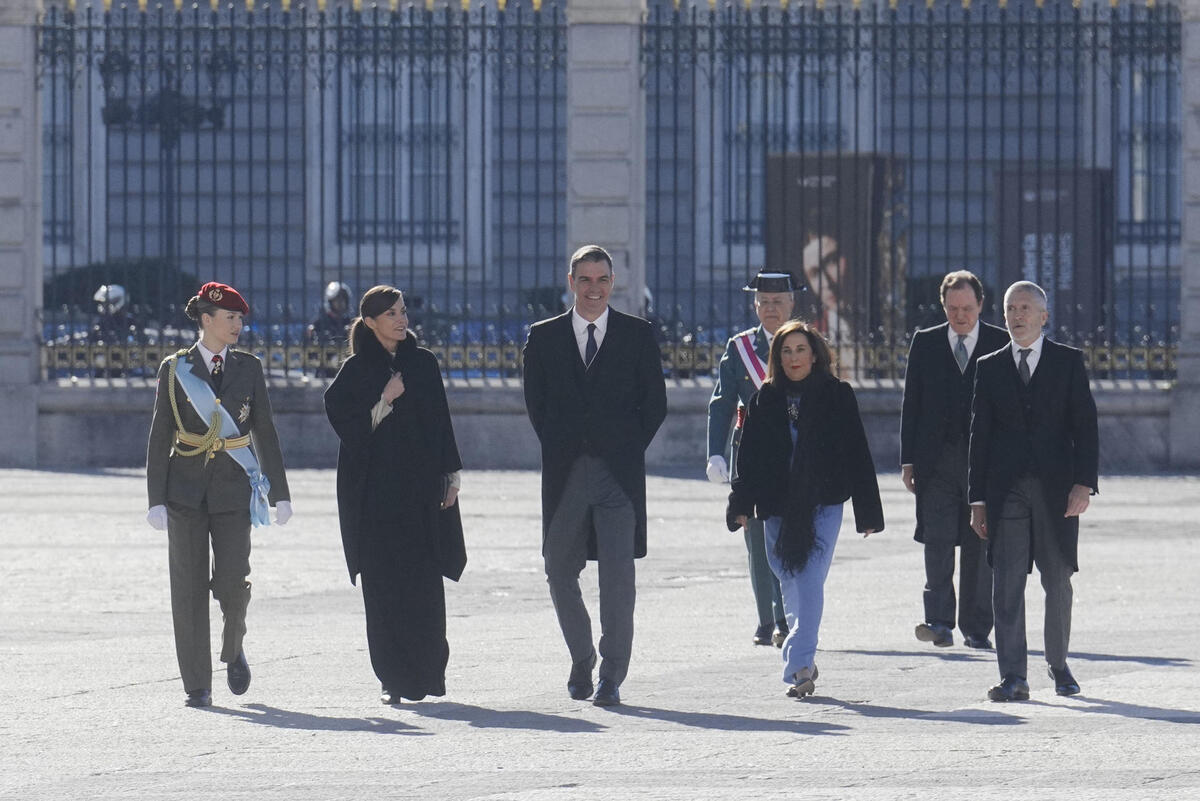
1029 446
934 429
594 425
210 498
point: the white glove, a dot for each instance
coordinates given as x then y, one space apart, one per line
283 512
157 517
717 471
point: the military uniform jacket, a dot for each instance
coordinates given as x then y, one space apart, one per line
220 482
734 386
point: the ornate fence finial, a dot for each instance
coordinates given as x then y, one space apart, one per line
1150 3
286 5
466 5
142 5
537 6
250 6
501 5
820 5
966 5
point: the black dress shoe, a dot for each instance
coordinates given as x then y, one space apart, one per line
579 683
1064 682
199 698
237 674
607 694
762 634
980 643
1012 688
939 635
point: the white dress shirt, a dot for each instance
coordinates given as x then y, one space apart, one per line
581 335
208 356
1035 353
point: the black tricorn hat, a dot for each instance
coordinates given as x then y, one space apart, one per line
768 281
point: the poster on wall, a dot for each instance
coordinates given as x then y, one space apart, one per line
1054 229
832 221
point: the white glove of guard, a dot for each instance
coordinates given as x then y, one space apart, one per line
283 512
157 517
717 471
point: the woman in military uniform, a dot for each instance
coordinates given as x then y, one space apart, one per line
213 466
397 483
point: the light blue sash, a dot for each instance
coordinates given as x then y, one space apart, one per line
200 395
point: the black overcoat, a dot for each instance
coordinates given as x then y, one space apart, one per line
611 409
432 454
937 402
836 458
1051 432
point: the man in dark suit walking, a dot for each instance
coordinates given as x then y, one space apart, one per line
934 428
595 394
1034 459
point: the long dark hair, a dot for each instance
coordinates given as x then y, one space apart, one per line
375 301
822 358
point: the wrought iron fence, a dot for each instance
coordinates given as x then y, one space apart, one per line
869 148
289 149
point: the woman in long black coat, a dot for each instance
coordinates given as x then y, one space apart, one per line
803 454
397 487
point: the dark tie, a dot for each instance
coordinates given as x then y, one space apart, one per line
960 354
1023 367
217 370
589 352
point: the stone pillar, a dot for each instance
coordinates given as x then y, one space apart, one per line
1184 435
20 233
606 140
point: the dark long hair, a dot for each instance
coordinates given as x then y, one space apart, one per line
375 301
822 358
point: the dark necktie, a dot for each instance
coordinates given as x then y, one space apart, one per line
1023 367
960 354
217 370
589 351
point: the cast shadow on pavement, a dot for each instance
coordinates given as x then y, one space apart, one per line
1103 706
982 717
265 715
708 720
945 654
1157 661
483 718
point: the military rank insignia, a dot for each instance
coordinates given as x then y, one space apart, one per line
244 412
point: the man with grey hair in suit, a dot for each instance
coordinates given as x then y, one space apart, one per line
1033 464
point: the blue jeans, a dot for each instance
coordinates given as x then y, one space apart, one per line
804 592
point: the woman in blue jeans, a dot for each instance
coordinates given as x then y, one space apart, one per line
803 454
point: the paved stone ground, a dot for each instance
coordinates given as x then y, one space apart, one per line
93 705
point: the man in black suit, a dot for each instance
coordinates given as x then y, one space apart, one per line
1034 459
595 394
934 428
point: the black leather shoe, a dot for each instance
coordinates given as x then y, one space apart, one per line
938 635
199 698
1064 682
762 634
1013 688
979 643
579 684
237 674
781 633
607 694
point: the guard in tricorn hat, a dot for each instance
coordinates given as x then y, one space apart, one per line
739 375
207 479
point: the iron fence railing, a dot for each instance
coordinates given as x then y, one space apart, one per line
868 148
898 141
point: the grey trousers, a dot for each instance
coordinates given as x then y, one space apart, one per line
768 601
593 499
188 533
945 519
1025 525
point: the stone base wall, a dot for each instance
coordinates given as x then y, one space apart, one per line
106 426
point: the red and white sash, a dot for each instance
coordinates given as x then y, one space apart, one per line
755 367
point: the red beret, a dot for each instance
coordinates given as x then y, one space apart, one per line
223 296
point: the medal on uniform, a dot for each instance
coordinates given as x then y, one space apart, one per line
244 412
